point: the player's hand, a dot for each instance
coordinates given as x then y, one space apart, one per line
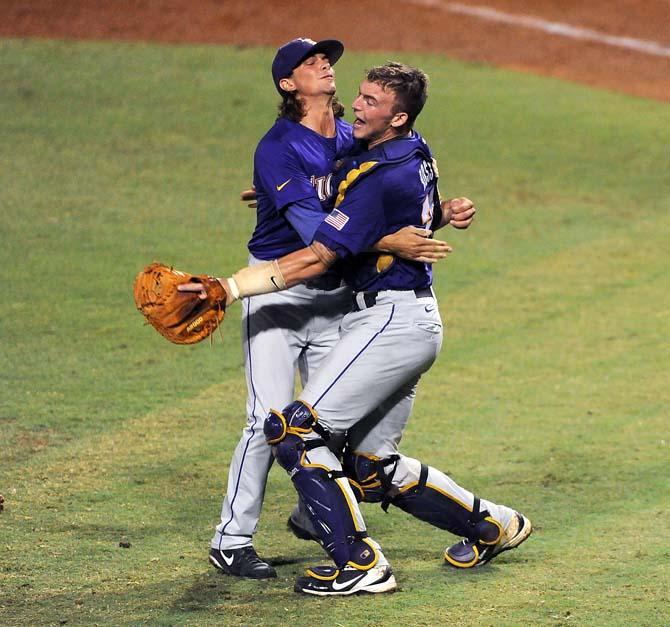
202 293
460 211
414 243
249 195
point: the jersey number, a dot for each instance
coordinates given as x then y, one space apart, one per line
427 210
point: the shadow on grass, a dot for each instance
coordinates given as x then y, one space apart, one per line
285 561
212 589
207 589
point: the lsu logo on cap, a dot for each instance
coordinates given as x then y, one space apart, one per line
337 219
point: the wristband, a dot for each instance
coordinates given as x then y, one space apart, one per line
261 278
235 291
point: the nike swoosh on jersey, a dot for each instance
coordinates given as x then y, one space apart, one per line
346 584
283 185
228 560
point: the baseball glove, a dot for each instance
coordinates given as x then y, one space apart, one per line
181 317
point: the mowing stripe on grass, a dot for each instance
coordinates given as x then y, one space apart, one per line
561 29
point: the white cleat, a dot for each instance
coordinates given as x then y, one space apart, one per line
331 581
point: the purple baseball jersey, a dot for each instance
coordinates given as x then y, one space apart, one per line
292 166
391 186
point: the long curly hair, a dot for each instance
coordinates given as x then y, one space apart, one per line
292 108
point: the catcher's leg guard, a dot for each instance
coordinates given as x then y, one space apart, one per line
404 482
322 486
435 505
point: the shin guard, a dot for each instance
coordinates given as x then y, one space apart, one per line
322 486
434 506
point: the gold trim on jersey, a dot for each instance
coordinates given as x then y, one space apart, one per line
384 260
352 175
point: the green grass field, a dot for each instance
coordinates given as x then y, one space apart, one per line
551 393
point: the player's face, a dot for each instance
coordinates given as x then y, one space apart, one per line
374 118
314 77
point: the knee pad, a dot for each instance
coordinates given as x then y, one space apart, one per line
298 418
430 504
370 476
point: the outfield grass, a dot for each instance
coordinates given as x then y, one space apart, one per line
551 393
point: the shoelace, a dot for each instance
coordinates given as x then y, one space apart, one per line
250 553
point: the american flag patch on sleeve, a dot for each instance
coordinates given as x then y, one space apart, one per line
337 219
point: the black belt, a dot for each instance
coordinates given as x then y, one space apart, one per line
370 298
324 283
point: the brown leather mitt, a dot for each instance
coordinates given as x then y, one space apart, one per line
181 317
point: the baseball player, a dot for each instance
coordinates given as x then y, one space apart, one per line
391 337
299 326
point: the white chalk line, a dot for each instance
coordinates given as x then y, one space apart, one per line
554 28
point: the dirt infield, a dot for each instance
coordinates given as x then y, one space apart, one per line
417 25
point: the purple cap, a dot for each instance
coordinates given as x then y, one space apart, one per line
292 54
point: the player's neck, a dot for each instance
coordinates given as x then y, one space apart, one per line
388 135
319 115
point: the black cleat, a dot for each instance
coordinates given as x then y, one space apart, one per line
468 554
242 562
331 581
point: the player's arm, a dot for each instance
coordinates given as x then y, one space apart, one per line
416 244
413 243
280 274
305 264
410 242
344 235
273 276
